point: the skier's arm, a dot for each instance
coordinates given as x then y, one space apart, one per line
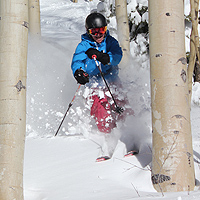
114 51
79 58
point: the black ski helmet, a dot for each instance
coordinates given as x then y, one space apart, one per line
95 20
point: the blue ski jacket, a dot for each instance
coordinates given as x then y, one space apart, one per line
109 45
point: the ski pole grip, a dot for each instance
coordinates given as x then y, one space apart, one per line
94 57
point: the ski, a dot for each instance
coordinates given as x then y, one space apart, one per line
131 153
103 158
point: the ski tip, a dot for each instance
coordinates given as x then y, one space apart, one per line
131 153
103 158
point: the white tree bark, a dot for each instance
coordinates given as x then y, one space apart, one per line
172 162
34 17
123 31
13 61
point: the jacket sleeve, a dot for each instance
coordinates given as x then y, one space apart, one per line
114 51
79 58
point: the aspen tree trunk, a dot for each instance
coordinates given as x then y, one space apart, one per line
172 162
194 16
194 43
34 17
13 61
123 30
75 1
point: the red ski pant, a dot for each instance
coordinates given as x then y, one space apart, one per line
101 111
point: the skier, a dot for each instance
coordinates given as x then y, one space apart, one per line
98 43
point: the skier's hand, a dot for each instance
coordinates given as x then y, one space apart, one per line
104 58
81 76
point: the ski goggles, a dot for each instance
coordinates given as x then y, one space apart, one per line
96 31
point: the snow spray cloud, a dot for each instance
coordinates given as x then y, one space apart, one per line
136 83
49 87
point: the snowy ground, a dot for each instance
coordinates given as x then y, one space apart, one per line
64 167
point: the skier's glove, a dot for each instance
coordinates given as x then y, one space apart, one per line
104 58
81 76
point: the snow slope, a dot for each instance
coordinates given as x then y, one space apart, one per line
64 167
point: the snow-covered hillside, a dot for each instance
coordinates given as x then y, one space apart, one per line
64 167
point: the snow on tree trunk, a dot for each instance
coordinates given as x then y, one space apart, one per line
123 30
34 17
172 161
13 61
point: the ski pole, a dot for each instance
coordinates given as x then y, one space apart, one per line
70 105
118 109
